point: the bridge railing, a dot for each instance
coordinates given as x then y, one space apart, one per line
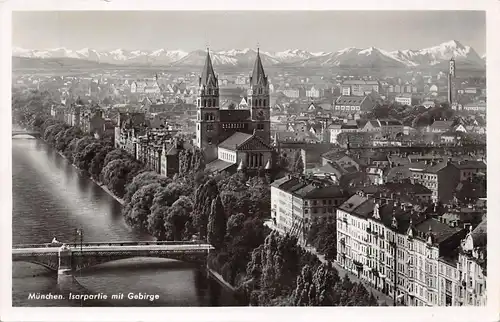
117 243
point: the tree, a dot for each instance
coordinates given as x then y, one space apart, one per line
298 164
143 179
322 236
217 224
51 131
259 197
137 212
191 161
68 152
115 175
276 268
163 201
97 163
63 138
283 162
115 155
85 157
202 205
234 225
178 215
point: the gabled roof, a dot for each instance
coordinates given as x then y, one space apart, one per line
235 140
219 165
444 125
350 100
479 234
439 230
254 143
470 164
437 167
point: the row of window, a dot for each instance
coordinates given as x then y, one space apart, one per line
258 103
321 210
230 157
207 102
347 108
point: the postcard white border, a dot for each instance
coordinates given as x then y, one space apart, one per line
489 313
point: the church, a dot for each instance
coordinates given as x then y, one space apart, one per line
234 139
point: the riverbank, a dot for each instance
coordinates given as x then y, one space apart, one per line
103 186
220 279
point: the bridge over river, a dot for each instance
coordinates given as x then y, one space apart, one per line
67 258
17 132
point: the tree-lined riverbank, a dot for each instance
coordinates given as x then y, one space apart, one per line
227 210
51 199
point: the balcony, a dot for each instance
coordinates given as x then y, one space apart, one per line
359 265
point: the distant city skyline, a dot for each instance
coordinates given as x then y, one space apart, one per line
272 31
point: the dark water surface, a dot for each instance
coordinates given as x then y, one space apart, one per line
50 198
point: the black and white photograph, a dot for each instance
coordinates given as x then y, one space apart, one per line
244 158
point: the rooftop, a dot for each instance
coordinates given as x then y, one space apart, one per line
235 140
439 230
350 100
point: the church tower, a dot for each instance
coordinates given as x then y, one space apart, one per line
258 101
207 119
451 76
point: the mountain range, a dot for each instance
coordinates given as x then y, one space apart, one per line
349 57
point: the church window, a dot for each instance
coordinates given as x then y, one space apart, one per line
264 103
198 126
204 103
260 90
214 103
260 103
209 103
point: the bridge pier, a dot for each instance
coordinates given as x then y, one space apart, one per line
64 267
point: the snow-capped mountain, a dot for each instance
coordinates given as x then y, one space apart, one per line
355 57
197 58
294 55
437 54
349 57
375 57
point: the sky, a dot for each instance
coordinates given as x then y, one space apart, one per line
314 31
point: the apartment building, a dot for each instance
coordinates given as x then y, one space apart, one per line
360 87
442 178
295 201
472 267
393 247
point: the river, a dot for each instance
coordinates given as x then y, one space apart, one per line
51 199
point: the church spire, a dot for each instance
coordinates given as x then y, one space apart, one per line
258 75
208 76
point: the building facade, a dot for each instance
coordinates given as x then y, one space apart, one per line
244 132
296 202
393 247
